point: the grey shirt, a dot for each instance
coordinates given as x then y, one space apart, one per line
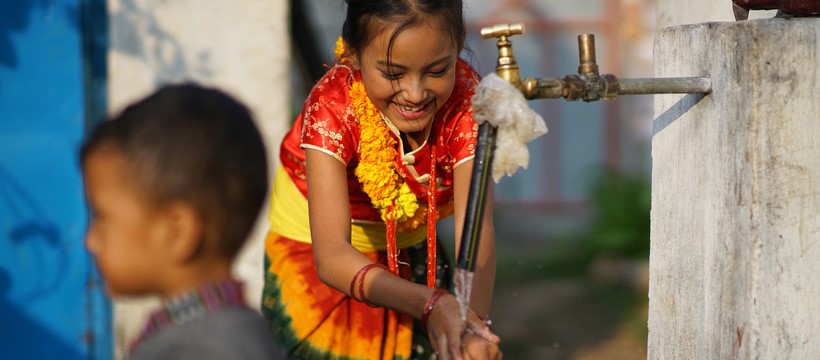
233 333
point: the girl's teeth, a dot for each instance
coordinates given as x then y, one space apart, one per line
410 109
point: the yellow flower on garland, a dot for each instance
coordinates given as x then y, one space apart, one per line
340 49
376 170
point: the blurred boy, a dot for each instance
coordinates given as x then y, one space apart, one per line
175 184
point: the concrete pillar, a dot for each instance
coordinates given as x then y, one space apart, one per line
735 237
676 12
241 47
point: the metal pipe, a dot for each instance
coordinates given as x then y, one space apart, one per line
507 69
474 215
683 85
545 88
586 54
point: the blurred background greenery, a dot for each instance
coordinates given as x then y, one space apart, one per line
582 295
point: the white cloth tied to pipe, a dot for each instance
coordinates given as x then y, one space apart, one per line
498 102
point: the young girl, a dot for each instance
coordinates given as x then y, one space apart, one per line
383 148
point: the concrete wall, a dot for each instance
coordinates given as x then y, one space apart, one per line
676 12
241 47
735 197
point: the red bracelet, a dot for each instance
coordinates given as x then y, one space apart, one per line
428 307
361 282
360 277
358 273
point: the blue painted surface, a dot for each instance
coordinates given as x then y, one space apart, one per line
51 304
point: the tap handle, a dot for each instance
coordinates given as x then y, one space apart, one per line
502 30
506 67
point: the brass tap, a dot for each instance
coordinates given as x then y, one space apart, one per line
506 67
588 84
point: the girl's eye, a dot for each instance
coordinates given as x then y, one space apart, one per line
439 73
391 76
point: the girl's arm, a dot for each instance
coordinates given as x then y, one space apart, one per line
337 261
484 276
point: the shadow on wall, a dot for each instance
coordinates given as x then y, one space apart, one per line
136 33
34 238
37 252
24 336
14 18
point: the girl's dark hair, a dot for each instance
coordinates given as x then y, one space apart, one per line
196 145
366 18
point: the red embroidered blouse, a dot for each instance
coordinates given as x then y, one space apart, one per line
327 123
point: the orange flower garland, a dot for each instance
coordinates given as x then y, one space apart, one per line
397 205
376 170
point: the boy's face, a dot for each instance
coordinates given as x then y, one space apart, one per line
124 235
417 79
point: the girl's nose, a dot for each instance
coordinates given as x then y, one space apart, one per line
413 91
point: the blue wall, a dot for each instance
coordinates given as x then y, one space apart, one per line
52 76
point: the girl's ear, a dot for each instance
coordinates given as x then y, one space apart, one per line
353 60
344 53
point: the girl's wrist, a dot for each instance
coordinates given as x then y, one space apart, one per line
430 305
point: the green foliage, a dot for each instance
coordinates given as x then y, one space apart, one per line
621 224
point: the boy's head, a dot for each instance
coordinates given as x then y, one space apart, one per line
180 175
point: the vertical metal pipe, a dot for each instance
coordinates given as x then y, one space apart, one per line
485 147
586 54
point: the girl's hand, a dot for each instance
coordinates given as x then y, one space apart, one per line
444 328
478 341
476 347
480 327
450 338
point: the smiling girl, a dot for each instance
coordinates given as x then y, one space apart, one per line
382 149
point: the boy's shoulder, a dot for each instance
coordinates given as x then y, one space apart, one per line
235 333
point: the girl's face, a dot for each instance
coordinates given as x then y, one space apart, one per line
415 81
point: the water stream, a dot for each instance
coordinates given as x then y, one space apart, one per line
463 281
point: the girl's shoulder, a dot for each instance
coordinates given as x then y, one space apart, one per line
467 79
466 74
334 84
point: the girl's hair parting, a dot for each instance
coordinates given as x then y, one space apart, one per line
366 18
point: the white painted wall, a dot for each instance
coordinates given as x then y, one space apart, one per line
241 47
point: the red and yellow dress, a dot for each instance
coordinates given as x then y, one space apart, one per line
310 319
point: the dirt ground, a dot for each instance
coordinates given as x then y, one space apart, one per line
542 312
569 318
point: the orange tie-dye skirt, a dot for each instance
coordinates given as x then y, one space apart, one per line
314 321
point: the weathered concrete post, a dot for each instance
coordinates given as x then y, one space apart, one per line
735 239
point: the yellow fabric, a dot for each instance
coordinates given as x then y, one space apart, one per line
289 217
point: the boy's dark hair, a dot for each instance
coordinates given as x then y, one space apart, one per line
197 145
364 18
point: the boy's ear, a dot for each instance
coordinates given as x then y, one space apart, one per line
186 233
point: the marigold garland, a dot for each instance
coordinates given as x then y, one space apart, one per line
398 206
376 170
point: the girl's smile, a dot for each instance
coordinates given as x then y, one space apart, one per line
410 79
411 112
